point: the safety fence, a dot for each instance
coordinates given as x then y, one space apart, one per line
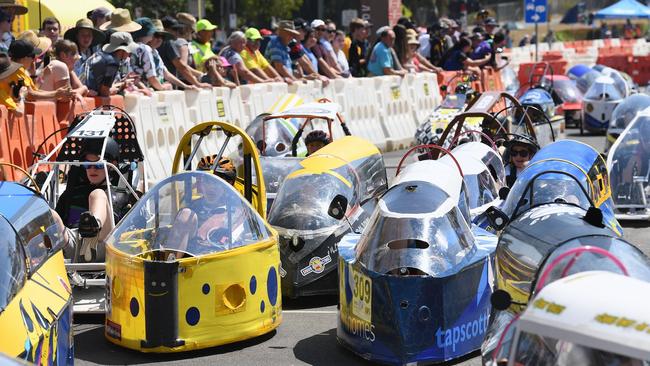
630 56
385 110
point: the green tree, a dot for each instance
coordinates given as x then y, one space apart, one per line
261 11
152 8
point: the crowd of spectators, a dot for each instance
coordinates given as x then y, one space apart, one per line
109 53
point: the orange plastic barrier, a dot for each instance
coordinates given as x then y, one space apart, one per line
39 123
115 100
6 173
552 56
492 80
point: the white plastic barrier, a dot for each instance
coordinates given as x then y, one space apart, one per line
152 134
252 100
396 115
423 94
360 108
308 90
201 106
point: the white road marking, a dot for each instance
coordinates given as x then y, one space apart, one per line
310 311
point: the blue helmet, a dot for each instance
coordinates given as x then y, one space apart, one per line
577 71
540 98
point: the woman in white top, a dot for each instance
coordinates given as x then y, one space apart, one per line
339 40
60 73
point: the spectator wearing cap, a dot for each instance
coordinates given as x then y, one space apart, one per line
301 26
204 58
103 67
88 40
163 76
437 45
319 52
184 64
458 58
277 50
59 72
490 25
202 45
51 29
322 33
236 44
24 53
381 60
480 47
99 16
253 58
358 47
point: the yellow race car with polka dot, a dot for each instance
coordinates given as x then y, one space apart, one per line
194 264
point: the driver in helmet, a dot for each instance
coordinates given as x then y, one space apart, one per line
83 208
203 226
315 141
519 151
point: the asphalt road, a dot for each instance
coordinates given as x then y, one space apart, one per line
307 335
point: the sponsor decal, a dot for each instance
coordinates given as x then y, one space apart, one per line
113 330
283 273
316 265
361 296
451 337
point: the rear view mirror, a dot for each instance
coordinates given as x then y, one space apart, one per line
497 218
503 192
594 216
500 300
443 88
338 206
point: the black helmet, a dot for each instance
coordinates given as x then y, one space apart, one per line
317 135
94 146
522 140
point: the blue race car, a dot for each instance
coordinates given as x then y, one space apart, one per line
415 287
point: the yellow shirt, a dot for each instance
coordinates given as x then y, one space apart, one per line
254 60
346 47
7 85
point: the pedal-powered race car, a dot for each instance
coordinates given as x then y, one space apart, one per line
35 295
571 324
599 102
109 134
453 103
194 264
350 166
273 136
414 287
312 117
623 114
559 210
628 162
567 98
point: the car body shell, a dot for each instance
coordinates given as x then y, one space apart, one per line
36 311
407 252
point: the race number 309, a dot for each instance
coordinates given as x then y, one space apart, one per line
362 296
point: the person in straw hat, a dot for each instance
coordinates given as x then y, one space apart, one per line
12 7
185 65
102 68
163 75
88 40
21 85
59 72
121 22
43 44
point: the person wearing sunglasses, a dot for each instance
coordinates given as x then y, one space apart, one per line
519 151
323 35
84 207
